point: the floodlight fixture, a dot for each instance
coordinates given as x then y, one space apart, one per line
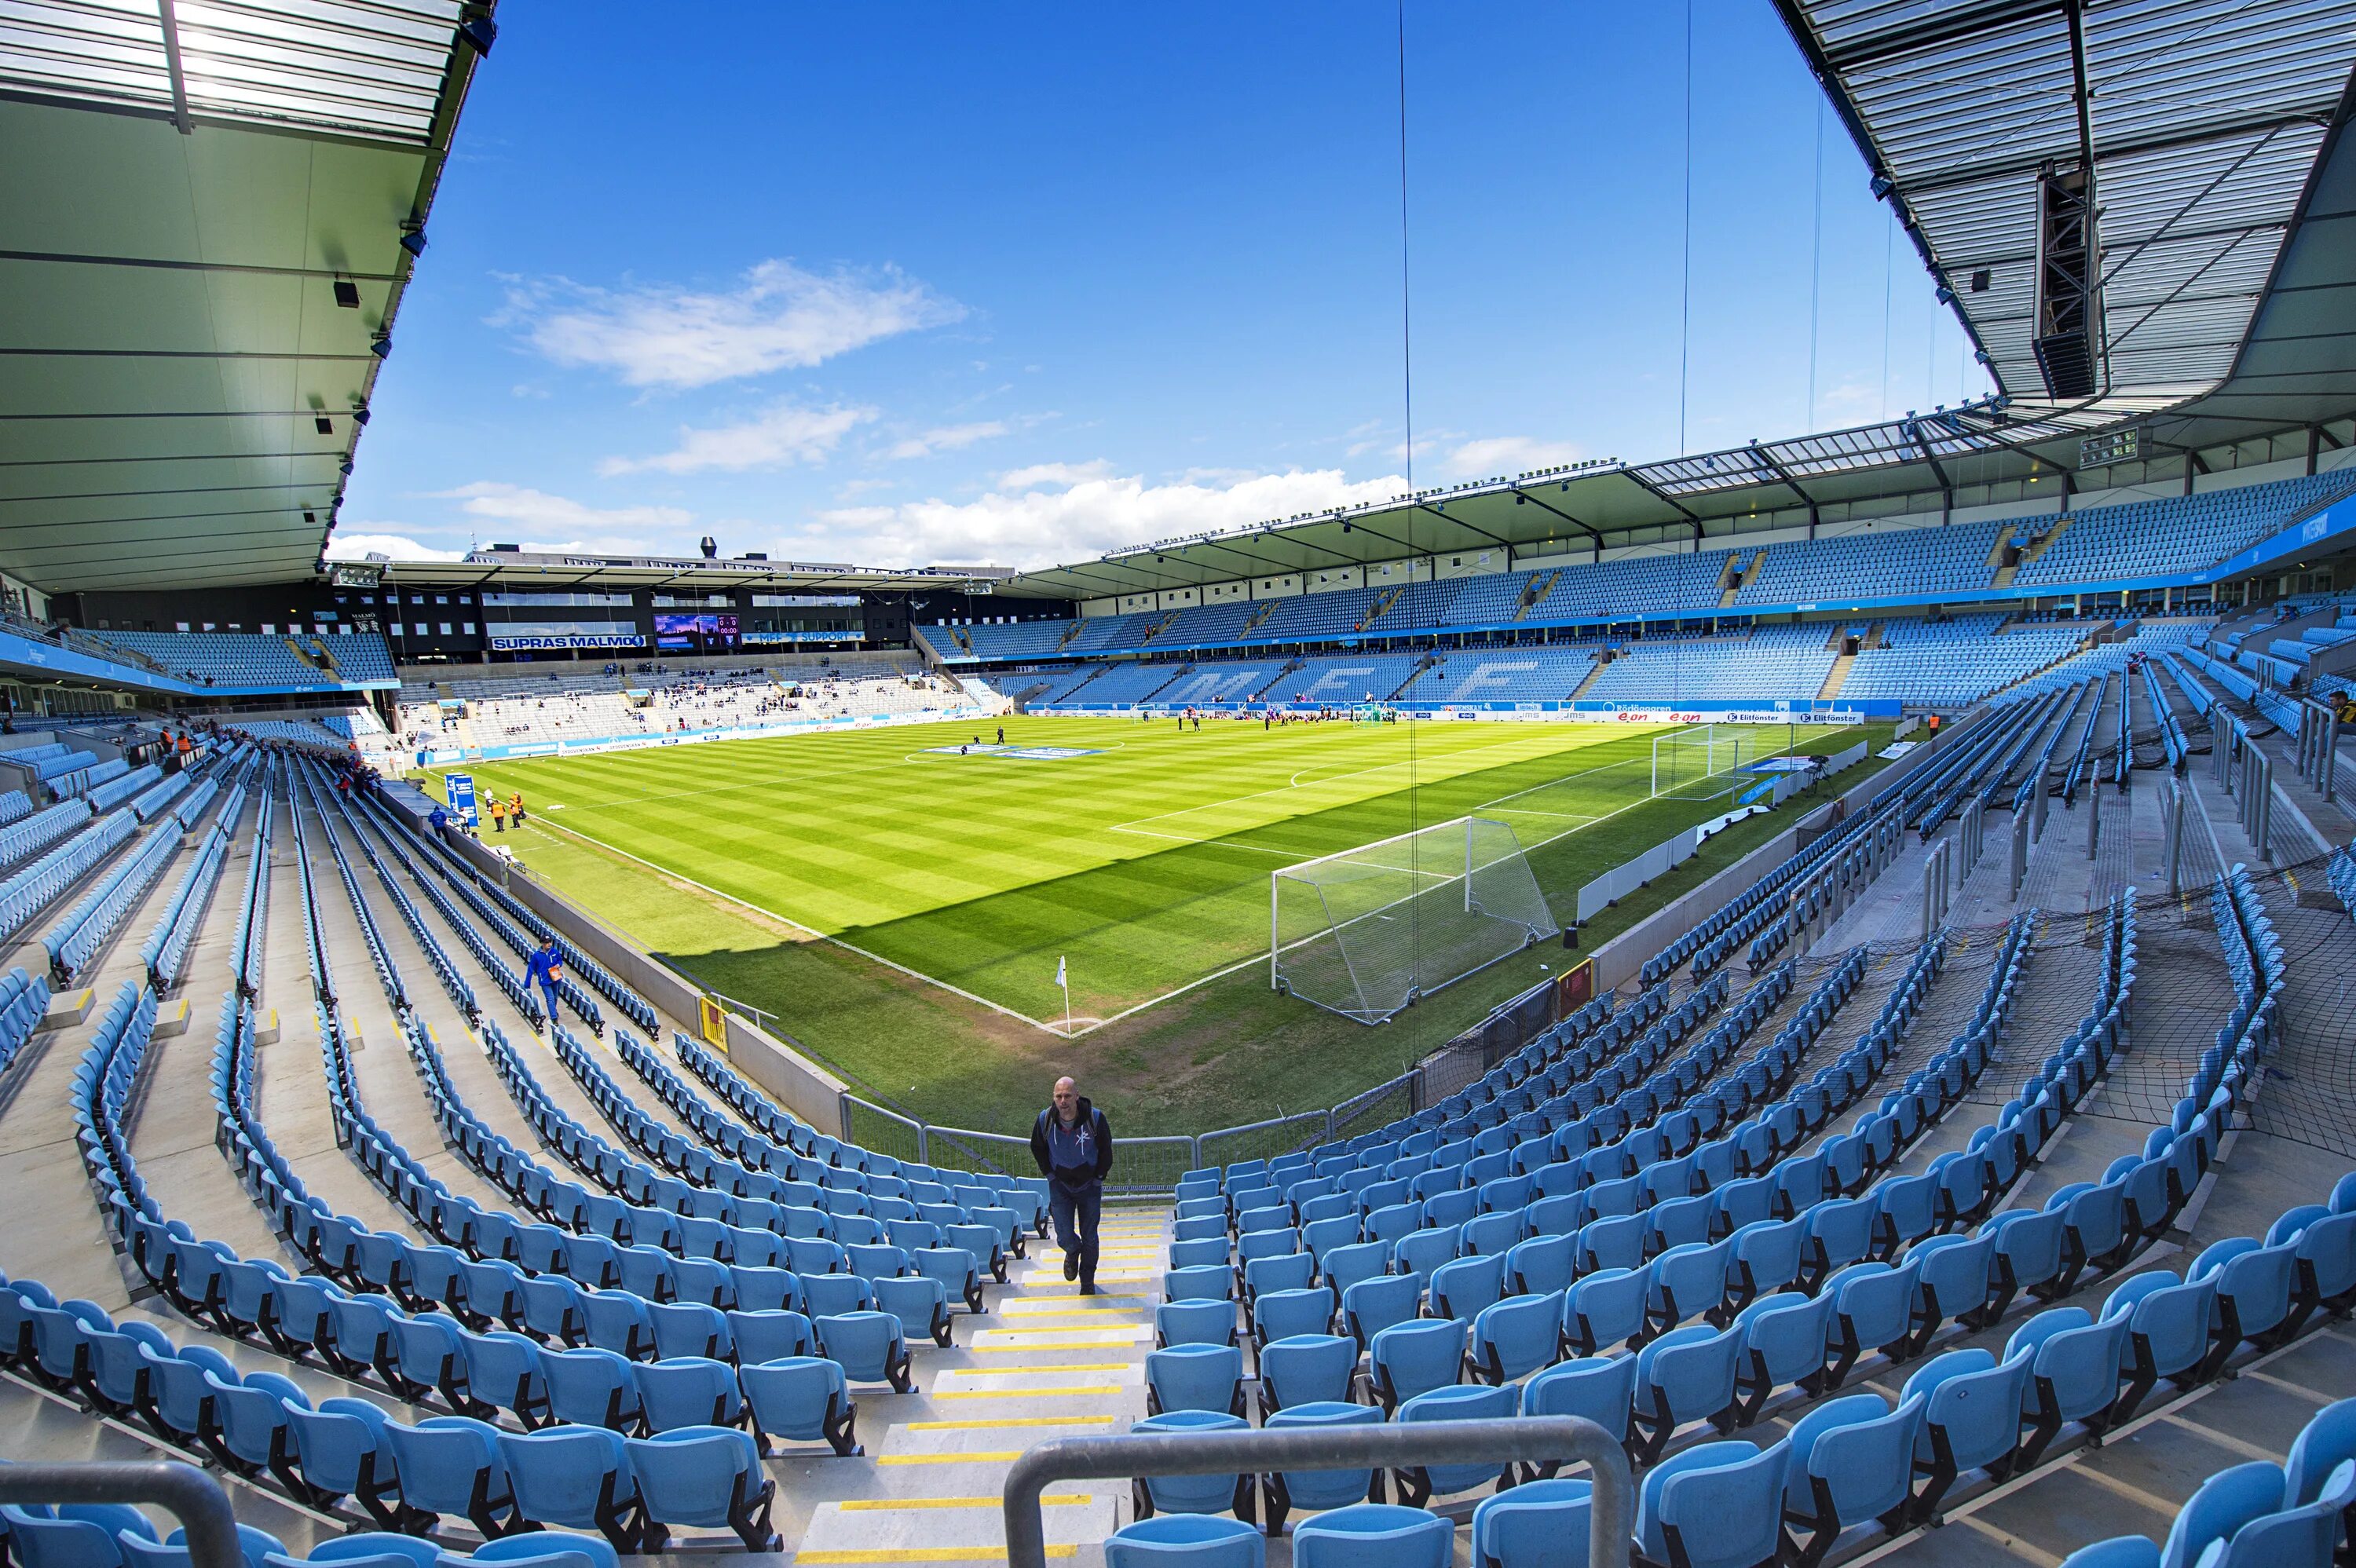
325 425
347 294
412 238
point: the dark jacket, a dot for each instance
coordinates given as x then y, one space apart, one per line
1088 1113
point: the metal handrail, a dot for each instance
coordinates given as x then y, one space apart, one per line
1528 1439
193 1498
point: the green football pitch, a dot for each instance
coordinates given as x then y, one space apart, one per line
1136 853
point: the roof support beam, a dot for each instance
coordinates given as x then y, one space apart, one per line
171 26
1522 496
1978 174
1671 501
1468 527
1759 456
159 264
1359 525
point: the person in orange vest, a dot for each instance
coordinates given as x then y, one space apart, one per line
499 814
514 807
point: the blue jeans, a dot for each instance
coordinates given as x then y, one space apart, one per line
1076 1215
548 990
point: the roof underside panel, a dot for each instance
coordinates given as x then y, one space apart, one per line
178 375
353 68
2205 118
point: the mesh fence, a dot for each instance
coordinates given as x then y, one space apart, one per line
1701 762
1365 931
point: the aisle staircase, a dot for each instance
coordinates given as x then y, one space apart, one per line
1044 1362
1383 602
1835 675
1533 592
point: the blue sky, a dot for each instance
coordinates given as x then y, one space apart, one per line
920 283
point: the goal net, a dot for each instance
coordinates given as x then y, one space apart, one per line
1367 931
1700 763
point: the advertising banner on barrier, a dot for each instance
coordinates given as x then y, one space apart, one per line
695 737
460 789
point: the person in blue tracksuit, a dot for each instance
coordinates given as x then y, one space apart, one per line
545 968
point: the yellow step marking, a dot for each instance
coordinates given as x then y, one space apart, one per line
1130 1313
1046 1345
1058 1367
1026 1299
1006 1421
923 1554
1006 1457
897 1505
1089 1389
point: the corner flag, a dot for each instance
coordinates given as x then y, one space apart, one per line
1059 975
1067 986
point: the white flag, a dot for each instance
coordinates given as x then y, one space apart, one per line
1059 974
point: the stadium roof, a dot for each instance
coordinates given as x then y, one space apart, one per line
520 569
2201 120
206 206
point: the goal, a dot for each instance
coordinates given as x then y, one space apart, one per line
1700 763
1365 931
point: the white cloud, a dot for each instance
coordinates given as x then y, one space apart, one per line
392 546
615 531
779 317
1053 512
1038 474
787 434
945 438
1499 455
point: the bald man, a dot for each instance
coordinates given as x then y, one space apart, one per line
1071 1143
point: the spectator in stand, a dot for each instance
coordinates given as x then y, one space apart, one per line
544 969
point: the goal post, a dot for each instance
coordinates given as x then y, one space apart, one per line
1365 931
1698 762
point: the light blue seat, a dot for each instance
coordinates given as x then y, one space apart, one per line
1282 1493
592 1386
540 1549
1195 1377
2223 1504
2119 1552
1852 1461
708 1477
1373 1535
2323 1445
340 1452
1602 1388
1413 1358
1202 1282
1606 1310
1192 1494
74 1535
770 1335
1194 1323
256 1547
2167 1331
1972 1420
1346 1265
1461 1287
1785 1342
1185 1540
868 1346
452 1466
1715 1505
376 1547
1538 1524
1307 1369
921 1304
1373 1304
2073 1374
804 1399
1516 1337
1873 1310
578 1476
687 1391
1686 1374
1419 1484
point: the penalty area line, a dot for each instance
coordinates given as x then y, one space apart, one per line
833 941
